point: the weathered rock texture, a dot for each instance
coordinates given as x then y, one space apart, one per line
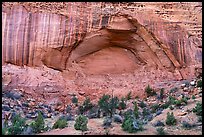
115 37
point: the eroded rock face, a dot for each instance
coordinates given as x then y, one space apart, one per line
58 34
138 45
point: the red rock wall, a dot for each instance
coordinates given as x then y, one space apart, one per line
28 29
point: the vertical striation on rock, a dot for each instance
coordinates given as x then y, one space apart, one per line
36 32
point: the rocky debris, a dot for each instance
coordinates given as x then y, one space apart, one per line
49 109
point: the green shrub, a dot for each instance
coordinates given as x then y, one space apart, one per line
166 105
150 91
171 99
199 118
128 97
162 93
108 104
154 108
142 104
136 110
104 102
4 131
131 126
128 114
178 102
81 123
193 97
114 101
145 112
122 104
127 125
18 125
182 101
74 100
87 105
185 100
170 120
199 83
39 124
60 123
198 109
171 107
160 131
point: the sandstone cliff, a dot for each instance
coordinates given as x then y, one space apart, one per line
118 37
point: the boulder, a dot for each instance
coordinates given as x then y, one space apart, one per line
94 112
183 85
13 95
117 118
158 123
25 104
107 122
158 112
185 89
149 117
182 114
28 131
5 108
192 83
68 109
67 117
135 125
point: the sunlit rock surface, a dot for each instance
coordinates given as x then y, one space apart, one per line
115 37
